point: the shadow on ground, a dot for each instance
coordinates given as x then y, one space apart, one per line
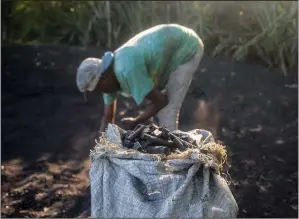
48 130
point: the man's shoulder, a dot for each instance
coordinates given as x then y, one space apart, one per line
126 59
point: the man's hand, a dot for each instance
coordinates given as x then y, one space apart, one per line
128 123
158 99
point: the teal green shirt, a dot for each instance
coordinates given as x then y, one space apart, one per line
148 59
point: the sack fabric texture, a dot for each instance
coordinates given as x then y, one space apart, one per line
129 184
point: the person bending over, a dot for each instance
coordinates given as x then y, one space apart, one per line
157 64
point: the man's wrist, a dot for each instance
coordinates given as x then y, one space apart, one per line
137 121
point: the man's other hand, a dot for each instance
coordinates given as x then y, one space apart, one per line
128 123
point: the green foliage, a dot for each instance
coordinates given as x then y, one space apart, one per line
259 30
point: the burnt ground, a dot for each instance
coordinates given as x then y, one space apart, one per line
48 130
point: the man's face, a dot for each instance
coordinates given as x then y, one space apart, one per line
106 85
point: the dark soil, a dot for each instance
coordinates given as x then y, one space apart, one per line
48 130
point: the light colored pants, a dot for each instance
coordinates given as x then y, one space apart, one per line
177 87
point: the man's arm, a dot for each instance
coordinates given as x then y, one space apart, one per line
138 82
158 101
109 115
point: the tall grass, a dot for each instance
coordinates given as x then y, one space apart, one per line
259 30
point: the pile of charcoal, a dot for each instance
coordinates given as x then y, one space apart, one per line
154 140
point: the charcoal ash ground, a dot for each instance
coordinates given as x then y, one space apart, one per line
48 130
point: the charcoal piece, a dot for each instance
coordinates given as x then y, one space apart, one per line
157 141
152 127
136 127
136 133
184 137
128 144
137 146
122 133
157 133
157 150
172 136
129 132
164 133
178 143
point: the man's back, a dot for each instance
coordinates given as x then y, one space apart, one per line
163 48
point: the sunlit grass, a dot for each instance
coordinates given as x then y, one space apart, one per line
258 30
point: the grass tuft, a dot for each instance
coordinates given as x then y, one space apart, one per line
266 32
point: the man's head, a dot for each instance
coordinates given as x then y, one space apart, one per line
97 74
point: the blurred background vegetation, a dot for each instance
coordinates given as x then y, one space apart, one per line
259 31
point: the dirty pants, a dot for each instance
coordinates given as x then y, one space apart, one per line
177 87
